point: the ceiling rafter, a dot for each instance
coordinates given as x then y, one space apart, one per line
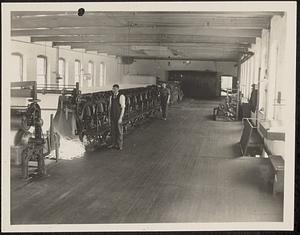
174 20
104 30
179 45
146 38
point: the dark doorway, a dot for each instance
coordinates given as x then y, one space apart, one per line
197 84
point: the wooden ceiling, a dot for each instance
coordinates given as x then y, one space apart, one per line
218 36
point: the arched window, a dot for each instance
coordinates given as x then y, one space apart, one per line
77 70
17 65
62 71
102 74
41 70
91 72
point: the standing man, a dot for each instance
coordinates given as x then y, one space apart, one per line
253 98
164 100
116 113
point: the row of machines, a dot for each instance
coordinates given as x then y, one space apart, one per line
83 116
87 115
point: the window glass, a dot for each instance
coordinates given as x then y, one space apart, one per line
78 72
102 74
91 74
17 62
41 70
226 84
61 71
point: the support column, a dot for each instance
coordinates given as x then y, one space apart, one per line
238 91
57 67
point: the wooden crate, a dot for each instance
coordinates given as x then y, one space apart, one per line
16 155
278 167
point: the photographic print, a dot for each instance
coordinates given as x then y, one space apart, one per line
148 116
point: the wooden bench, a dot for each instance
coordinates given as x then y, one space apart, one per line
251 142
277 163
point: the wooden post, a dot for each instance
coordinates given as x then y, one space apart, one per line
238 90
257 100
34 91
57 67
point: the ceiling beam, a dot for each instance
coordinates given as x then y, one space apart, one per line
178 45
174 38
120 53
175 19
183 50
138 30
201 49
24 14
184 59
124 52
191 13
61 21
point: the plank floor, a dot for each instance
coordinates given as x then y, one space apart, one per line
185 169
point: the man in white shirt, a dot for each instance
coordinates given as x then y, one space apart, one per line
116 113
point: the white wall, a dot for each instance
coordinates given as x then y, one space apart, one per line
30 51
160 68
141 79
276 80
271 57
277 73
113 69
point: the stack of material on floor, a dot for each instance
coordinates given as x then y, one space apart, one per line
226 111
70 149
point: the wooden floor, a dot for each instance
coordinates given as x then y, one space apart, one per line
185 169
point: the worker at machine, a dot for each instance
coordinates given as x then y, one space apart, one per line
165 95
116 113
253 98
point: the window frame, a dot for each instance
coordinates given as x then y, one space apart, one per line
102 73
64 71
21 65
79 76
45 68
91 81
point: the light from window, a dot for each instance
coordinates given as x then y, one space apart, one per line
41 70
61 71
17 65
226 84
78 72
91 72
102 74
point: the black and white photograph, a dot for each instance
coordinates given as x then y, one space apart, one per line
143 116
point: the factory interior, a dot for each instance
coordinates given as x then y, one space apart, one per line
219 156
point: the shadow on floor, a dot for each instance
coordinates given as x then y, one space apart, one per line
236 149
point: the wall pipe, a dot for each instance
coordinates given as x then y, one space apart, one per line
238 92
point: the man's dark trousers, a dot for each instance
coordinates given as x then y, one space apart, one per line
164 107
116 128
117 133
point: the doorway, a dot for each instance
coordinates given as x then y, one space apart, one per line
226 85
197 84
